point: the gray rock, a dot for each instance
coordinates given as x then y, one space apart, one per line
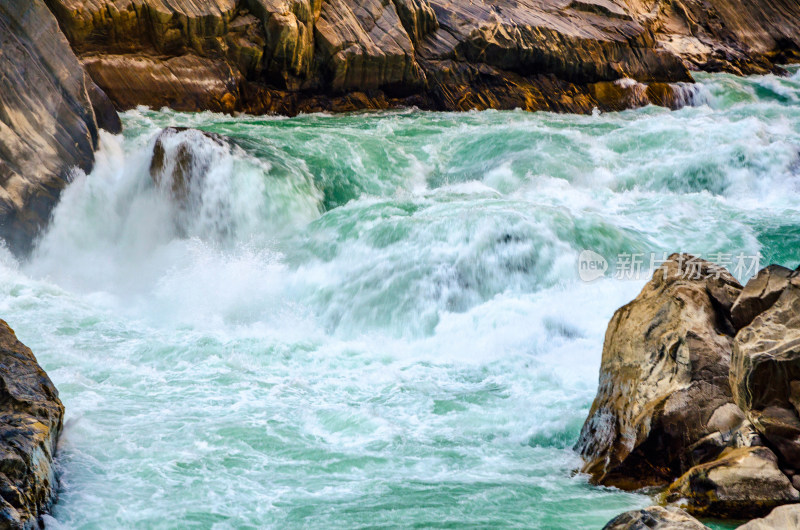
781 518
655 518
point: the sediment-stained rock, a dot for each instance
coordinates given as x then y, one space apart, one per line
664 378
655 518
743 483
31 417
765 373
296 55
48 119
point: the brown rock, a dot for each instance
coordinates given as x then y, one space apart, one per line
47 119
31 417
664 376
656 518
760 293
765 371
743 483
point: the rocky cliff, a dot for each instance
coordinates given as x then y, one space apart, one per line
49 113
289 56
31 417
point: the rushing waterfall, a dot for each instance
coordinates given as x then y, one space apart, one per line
377 318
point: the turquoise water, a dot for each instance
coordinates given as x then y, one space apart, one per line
376 319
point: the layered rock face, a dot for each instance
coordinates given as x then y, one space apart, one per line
289 56
655 518
49 117
700 390
31 417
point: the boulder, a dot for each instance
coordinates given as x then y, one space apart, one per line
48 119
765 373
31 418
760 293
181 159
655 518
742 483
781 518
664 378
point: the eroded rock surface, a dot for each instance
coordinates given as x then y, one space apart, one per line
782 517
31 417
299 55
663 379
655 518
48 118
743 483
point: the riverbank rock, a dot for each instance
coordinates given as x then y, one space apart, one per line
760 293
743 483
291 56
663 378
48 119
765 373
655 518
31 417
782 517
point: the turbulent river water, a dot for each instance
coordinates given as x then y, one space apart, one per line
377 319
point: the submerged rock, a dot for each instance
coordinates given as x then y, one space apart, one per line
655 518
31 417
291 56
48 119
663 378
181 159
743 483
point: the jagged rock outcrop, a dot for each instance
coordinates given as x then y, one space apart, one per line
31 417
655 518
765 373
290 56
681 332
664 378
49 117
782 517
743 483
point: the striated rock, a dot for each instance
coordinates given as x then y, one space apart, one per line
205 84
765 372
664 378
656 518
291 56
48 119
760 293
743 483
782 517
31 417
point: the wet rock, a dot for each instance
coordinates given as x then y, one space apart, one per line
765 372
290 56
181 160
48 122
656 518
663 378
31 417
782 517
743 483
760 293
